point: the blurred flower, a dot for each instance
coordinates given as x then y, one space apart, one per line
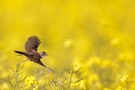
31 82
106 89
107 63
82 85
94 80
128 56
120 88
124 78
5 85
128 78
68 43
94 61
73 67
114 41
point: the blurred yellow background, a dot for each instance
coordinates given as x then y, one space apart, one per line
95 35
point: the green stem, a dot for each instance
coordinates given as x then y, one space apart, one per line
70 81
16 78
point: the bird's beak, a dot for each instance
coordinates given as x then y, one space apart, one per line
45 55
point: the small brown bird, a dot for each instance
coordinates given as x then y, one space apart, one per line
31 53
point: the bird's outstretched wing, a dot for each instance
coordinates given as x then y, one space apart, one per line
32 43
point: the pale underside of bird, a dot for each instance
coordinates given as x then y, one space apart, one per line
31 53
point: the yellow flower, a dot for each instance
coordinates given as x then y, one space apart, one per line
115 42
120 88
31 81
68 43
124 78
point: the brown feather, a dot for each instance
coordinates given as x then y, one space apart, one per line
32 43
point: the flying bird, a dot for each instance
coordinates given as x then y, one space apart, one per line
31 53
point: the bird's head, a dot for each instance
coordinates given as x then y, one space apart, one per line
43 54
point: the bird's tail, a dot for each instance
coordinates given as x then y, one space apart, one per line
19 52
49 69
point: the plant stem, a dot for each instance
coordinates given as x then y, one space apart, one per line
16 78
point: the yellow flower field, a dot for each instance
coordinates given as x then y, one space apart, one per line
90 43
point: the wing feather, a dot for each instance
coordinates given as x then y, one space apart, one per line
32 43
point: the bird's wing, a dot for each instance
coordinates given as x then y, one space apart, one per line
32 43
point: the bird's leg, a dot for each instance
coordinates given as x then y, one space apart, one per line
25 60
19 55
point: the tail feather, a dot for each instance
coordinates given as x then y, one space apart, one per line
19 52
49 69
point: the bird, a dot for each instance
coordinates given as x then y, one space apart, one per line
31 47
